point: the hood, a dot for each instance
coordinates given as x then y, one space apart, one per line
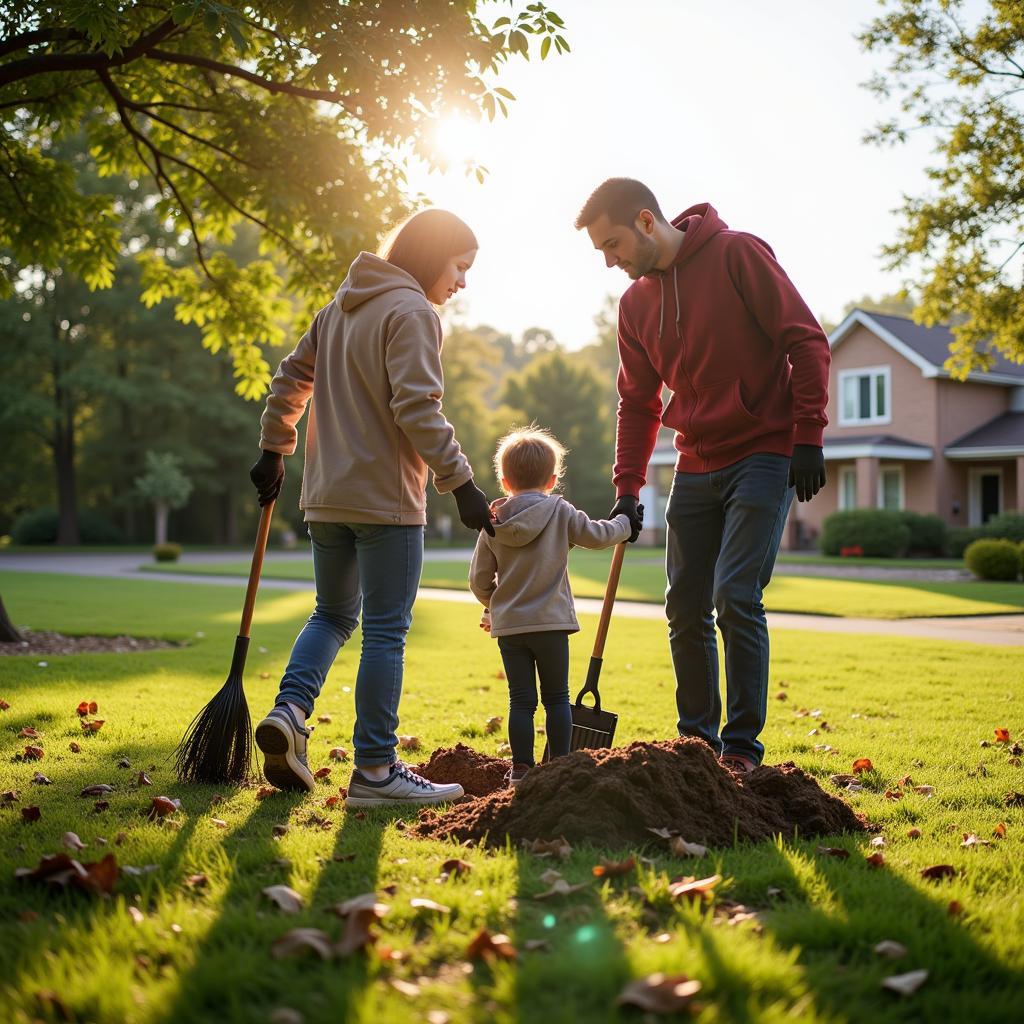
521 518
370 276
701 223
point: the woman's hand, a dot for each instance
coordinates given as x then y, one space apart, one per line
485 620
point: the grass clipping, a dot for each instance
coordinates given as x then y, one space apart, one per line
614 797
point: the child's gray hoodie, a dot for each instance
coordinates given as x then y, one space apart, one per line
521 573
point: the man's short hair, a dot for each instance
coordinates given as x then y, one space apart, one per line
622 199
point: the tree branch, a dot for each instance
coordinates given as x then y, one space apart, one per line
196 61
39 35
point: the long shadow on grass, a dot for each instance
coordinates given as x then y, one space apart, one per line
835 911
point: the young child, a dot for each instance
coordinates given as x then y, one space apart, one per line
520 576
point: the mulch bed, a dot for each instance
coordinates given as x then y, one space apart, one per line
37 642
614 797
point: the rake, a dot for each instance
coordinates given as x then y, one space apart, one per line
217 746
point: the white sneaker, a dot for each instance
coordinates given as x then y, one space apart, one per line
402 786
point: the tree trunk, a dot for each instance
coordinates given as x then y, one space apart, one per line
64 449
161 522
8 631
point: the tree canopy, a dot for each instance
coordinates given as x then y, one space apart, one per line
288 116
960 77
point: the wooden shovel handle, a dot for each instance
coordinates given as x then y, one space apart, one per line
262 535
609 599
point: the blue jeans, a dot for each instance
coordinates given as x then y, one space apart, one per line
724 530
376 568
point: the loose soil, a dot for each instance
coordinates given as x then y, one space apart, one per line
613 797
42 642
477 773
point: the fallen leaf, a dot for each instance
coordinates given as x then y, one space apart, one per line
92 725
74 747
455 868
834 851
100 806
550 876
198 881
955 908
278 831
29 733
299 941
504 749
679 847
1000 830
61 870
359 931
29 814
914 833
285 897
862 764
970 839
136 915
409 742
889 948
366 900
661 993
97 789
10 796
419 903
219 822
936 872
694 888
143 780
842 781
264 791
878 841
338 754
332 801
124 763
87 707
550 847
613 868
493 724
71 841
661 833
406 988
905 984
162 806
4 706
782 696
876 860
486 946
324 719
1013 799
41 780
926 791
560 887
1002 735
662 938
893 794
33 753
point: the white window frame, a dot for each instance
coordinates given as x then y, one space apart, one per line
898 470
885 372
844 472
974 475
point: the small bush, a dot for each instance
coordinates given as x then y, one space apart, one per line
1008 526
1020 551
959 537
878 532
40 527
927 533
993 559
167 552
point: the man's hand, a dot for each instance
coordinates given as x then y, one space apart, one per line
629 506
485 621
268 476
807 470
474 508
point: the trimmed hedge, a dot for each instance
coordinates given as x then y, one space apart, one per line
993 559
878 532
958 538
167 552
40 527
928 534
1008 526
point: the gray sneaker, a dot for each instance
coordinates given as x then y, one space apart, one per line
402 786
282 738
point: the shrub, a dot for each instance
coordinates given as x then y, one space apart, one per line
993 559
40 527
1020 551
1008 526
878 532
927 533
167 552
959 537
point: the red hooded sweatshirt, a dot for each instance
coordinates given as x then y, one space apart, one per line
725 329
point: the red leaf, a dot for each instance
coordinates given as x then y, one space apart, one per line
33 753
1000 830
4 705
29 733
92 726
162 806
862 764
1002 735
612 869
914 833
332 801
834 851
322 773
486 946
74 747
936 872
876 860
264 791
143 779
338 754
83 708
30 814
62 870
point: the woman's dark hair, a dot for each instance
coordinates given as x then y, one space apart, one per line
422 244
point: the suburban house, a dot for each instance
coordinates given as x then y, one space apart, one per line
902 434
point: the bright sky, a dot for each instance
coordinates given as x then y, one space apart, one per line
752 106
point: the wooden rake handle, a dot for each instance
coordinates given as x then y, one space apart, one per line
609 599
262 536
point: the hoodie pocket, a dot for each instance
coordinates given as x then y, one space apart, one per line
720 417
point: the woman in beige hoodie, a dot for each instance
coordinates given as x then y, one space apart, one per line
370 368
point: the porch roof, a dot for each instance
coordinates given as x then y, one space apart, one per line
1000 438
877 446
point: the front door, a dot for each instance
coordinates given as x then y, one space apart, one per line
986 495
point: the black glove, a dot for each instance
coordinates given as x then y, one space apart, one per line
630 506
268 476
474 508
807 470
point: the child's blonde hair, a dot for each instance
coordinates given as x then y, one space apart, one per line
528 457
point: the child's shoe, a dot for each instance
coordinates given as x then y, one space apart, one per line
516 774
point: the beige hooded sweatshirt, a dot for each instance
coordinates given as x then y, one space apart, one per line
371 360
521 573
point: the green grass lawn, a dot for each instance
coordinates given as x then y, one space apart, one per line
643 579
203 954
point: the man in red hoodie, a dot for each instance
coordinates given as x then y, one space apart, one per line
713 317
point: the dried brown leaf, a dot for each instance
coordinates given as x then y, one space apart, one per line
71 841
550 847
285 897
614 868
937 872
485 946
300 941
679 847
338 754
661 994
97 789
455 868
694 888
162 806
29 814
905 984
834 851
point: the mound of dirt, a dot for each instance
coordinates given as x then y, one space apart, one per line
35 641
478 774
613 797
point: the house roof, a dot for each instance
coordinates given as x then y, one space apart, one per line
879 446
874 439
926 347
1002 436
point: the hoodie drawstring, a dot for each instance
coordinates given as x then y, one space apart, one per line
661 314
675 285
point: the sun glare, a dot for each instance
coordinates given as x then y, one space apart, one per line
457 139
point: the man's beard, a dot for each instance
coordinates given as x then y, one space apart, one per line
645 257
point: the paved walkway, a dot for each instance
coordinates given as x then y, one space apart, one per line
1002 630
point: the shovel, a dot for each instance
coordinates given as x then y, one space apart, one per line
592 727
